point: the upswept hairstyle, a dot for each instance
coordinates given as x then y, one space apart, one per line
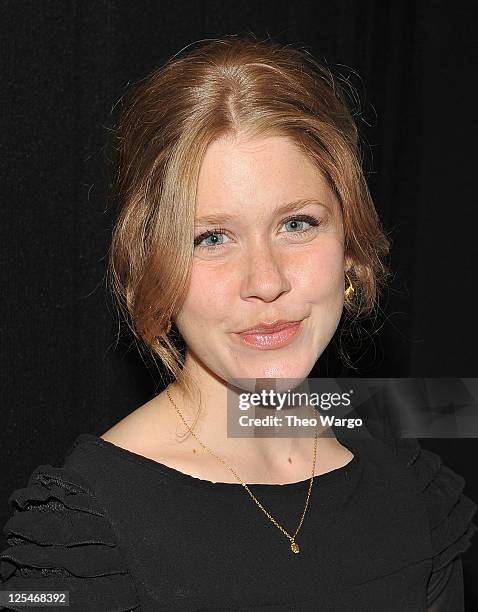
227 86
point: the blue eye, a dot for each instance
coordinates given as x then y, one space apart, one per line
312 221
204 236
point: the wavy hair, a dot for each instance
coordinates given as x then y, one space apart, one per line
232 85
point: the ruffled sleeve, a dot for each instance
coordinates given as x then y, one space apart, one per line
450 514
61 539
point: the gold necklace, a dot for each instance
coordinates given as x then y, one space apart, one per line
293 544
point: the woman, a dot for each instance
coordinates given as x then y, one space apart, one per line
243 204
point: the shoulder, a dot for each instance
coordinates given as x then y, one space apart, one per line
60 537
451 515
444 520
449 510
142 430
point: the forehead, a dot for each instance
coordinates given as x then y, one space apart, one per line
243 174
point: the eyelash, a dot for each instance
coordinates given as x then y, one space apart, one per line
313 221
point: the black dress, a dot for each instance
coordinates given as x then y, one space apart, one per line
122 532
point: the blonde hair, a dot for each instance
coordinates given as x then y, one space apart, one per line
227 86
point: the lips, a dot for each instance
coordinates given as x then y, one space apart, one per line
268 328
277 338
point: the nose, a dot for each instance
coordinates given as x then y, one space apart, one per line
265 274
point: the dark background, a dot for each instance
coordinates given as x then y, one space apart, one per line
65 67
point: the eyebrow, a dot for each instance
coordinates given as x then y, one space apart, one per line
215 218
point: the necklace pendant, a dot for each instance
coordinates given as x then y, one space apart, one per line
294 547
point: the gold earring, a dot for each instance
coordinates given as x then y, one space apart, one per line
350 289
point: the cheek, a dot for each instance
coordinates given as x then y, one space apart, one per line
209 296
322 274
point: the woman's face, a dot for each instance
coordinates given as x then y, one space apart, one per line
262 264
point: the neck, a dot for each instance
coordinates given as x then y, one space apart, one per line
208 419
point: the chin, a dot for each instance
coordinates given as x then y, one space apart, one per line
281 371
